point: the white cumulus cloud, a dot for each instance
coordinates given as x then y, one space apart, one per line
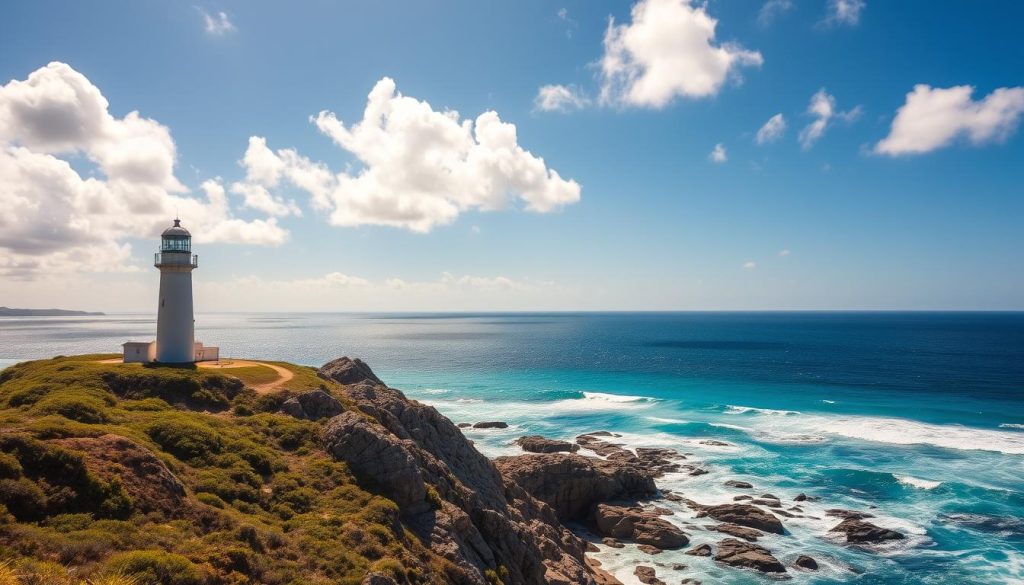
749 265
54 219
934 117
772 130
718 154
823 108
420 168
559 98
217 24
668 50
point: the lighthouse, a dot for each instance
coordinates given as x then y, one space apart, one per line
175 320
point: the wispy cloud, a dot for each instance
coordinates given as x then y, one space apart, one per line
718 154
559 98
749 265
823 109
217 24
783 253
844 12
772 130
772 9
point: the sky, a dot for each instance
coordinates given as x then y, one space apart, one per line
521 156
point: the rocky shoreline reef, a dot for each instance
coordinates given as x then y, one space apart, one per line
181 476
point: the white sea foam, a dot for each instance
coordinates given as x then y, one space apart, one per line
925 484
906 432
828 401
616 398
732 409
436 390
600 401
1012 426
671 421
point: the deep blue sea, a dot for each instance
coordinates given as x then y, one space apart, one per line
917 418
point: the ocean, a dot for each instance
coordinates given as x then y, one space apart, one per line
917 418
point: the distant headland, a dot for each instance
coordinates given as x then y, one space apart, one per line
9 312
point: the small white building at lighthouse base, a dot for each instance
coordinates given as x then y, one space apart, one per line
145 352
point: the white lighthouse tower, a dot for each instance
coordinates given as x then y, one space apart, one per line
175 321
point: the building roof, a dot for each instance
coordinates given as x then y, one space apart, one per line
176 230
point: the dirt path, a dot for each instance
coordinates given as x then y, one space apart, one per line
284 374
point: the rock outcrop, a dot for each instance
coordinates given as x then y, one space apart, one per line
737 553
345 370
744 515
492 424
806 563
641 527
448 493
573 484
860 532
539 444
313 405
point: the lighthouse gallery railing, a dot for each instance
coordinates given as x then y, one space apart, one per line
175 259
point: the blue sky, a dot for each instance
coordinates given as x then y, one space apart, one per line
935 222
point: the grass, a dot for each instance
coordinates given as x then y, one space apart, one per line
263 503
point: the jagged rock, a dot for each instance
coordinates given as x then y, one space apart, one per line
371 451
539 444
715 443
847 514
496 424
573 484
769 497
639 526
766 502
805 562
647 575
740 531
464 425
609 541
737 553
147 480
800 497
313 405
698 471
701 550
739 484
601 577
741 498
346 370
484 520
860 532
744 515
674 497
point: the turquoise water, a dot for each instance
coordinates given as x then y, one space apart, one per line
915 417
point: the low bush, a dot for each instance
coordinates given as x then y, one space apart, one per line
184 438
155 567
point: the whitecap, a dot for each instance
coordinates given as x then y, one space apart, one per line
732 409
925 484
670 421
907 432
828 401
1012 426
616 398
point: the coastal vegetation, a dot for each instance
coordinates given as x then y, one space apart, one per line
121 474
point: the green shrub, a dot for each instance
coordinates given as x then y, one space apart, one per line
185 438
211 500
30 394
154 567
22 498
10 468
81 408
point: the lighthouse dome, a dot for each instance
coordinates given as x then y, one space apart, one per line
176 230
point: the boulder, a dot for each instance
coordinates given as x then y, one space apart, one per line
313 405
737 553
378 579
639 526
847 514
806 563
649 549
345 370
497 424
714 443
740 531
539 444
611 542
647 575
701 550
744 515
573 484
860 532
738 484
